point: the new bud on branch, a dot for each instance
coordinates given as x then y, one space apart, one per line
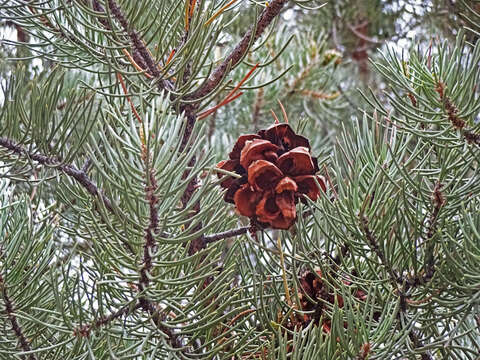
276 170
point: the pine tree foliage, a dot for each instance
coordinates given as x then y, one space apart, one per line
115 241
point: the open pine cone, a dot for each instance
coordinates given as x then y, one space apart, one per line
314 295
276 167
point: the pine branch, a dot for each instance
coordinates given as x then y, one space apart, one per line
395 279
148 248
452 113
134 37
418 344
294 86
99 8
267 16
438 202
86 165
175 341
140 52
85 330
9 308
70 170
225 235
198 243
191 9
152 228
56 30
79 175
344 251
354 30
372 240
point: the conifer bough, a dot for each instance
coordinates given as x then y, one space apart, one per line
134 254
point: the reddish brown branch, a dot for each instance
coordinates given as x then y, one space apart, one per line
70 170
140 50
174 340
418 344
85 330
372 241
395 278
79 175
226 234
58 31
9 308
149 248
152 228
438 201
198 243
267 16
452 113
134 37
105 320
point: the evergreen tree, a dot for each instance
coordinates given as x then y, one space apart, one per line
354 231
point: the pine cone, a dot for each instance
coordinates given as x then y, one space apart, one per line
276 167
314 294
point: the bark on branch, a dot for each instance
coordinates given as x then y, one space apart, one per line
9 308
267 16
225 234
78 174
